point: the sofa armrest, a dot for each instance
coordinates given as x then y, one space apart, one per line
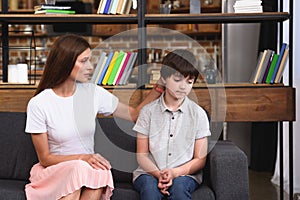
228 166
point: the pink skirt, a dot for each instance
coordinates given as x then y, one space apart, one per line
65 178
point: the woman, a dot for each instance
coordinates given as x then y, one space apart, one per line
61 120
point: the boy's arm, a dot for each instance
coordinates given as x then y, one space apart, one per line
143 156
198 161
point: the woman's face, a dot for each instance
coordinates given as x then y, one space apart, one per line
83 67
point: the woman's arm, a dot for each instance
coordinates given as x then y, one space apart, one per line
198 161
130 113
40 142
143 156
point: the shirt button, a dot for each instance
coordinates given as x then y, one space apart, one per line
170 154
173 117
171 135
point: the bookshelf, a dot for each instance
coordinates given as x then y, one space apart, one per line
245 102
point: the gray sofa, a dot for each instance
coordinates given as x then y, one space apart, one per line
225 173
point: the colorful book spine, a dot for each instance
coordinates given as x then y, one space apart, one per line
119 68
109 57
110 67
272 67
129 67
115 68
255 80
123 68
283 47
113 9
98 67
106 8
282 66
267 68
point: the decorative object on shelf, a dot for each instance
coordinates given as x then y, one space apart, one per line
50 2
18 73
165 7
211 76
53 9
115 6
246 6
195 6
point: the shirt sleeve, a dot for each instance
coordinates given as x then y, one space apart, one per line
203 128
35 121
143 121
106 103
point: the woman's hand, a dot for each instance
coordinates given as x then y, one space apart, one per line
97 161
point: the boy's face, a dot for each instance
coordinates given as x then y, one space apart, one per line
178 86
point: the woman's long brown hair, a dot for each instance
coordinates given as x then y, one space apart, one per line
61 60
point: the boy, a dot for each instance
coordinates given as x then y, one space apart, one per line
172 135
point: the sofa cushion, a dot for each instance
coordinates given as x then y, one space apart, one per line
12 189
116 141
17 151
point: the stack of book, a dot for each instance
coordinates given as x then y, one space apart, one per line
270 65
114 68
248 6
114 7
53 9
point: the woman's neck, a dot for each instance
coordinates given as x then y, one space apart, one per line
65 89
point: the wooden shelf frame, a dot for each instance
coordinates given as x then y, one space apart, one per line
15 99
213 18
244 102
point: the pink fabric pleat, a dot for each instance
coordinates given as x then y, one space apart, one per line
59 180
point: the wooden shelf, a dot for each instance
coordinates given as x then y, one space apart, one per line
230 102
61 18
213 18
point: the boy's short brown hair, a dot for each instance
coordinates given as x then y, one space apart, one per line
182 61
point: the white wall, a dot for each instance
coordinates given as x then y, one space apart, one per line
296 84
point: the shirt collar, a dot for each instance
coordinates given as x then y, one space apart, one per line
163 106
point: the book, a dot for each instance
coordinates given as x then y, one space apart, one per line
282 49
101 6
267 68
123 68
115 68
264 65
257 66
119 68
128 69
53 7
100 71
258 70
106 8
98 67
119 7
272 67
109 57
110 67
282 66
130 60
125 9
113 8
51 11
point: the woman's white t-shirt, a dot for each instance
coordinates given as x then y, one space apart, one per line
69 122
